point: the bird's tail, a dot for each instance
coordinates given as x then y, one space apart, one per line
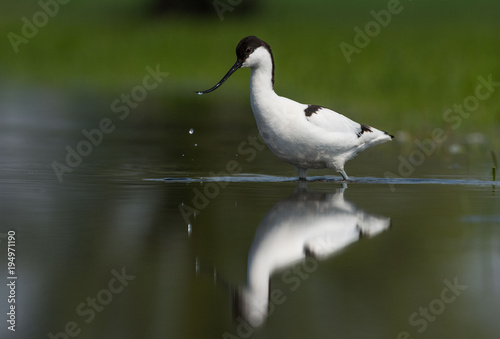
374 137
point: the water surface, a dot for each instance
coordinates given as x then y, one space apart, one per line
203 253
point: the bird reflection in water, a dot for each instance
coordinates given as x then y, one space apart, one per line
306 224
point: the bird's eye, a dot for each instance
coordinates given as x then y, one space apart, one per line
248 50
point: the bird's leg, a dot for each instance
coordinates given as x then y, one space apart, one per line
344 174
302 173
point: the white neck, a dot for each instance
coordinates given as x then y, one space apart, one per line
261 78
262 93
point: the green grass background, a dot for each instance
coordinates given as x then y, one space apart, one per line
427 59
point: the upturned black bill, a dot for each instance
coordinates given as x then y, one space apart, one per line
233 69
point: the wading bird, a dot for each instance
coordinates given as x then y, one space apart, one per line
306 136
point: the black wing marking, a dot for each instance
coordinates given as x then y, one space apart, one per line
364 128
311 109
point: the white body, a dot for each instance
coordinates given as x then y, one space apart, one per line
325 139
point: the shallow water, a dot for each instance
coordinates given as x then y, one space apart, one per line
154 237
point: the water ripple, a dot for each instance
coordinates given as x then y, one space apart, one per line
363 180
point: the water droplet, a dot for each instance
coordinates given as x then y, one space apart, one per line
195 145
191 131
182 154
455 149
200 93
190 229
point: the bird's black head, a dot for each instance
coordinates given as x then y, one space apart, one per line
248 45
245 58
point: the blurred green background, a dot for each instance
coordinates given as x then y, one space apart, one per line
425 60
